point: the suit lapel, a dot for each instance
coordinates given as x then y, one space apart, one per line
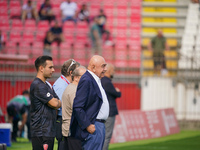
95 85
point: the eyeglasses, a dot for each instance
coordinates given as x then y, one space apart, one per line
72 63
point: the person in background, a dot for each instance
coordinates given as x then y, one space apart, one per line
68 99
57 33
17 110
29 11
83 14
102 25
48 40
59 86
46 12
112 93
44 103
95 34
90 107
2 42
158 44
68 11
26 94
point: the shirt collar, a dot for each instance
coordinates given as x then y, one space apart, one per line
65 78
97 79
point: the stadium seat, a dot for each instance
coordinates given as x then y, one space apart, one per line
17 25
28 37
30 25
15 37
122 10
11 50
69 39
3 4
148 64
15 12
82 28
15 3
4 25
43 26
69 27
37 46
94 10
3 11
40 36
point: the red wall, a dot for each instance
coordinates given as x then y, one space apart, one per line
130 98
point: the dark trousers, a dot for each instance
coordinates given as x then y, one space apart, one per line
15 129
38 142
59 130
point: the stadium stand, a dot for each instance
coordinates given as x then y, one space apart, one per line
27 35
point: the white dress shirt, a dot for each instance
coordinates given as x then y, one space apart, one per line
104 110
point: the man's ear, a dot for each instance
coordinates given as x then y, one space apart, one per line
41 69
93 68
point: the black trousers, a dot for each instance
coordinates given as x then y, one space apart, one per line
38 142
59 130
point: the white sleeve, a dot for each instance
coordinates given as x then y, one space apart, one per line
24 7
61 6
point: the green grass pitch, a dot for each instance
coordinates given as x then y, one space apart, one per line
185 140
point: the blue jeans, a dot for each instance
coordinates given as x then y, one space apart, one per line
95 141
69 18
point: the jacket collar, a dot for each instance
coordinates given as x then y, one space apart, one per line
95 84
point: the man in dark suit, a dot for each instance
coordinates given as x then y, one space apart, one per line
90 108
112 93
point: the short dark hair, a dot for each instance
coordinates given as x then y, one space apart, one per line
25 92
67 67
41 61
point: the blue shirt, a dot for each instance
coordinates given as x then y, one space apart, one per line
59 87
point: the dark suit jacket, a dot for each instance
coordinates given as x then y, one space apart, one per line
112 94
86 106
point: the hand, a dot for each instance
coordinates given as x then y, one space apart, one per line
91 128
117 89
20 127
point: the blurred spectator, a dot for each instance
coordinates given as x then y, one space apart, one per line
102 25
29 11
1 40
112 93
46 12
95 34
47 43
68 11
17 110
57 33
83 14
158 44
26 94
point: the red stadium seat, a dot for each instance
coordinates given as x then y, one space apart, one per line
4 25
69 39
30 25
11 50
15 4
40 36
38 45
15 12
17 25
3 3
94 9
43 26
82 28
69 27
28 37
15 37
